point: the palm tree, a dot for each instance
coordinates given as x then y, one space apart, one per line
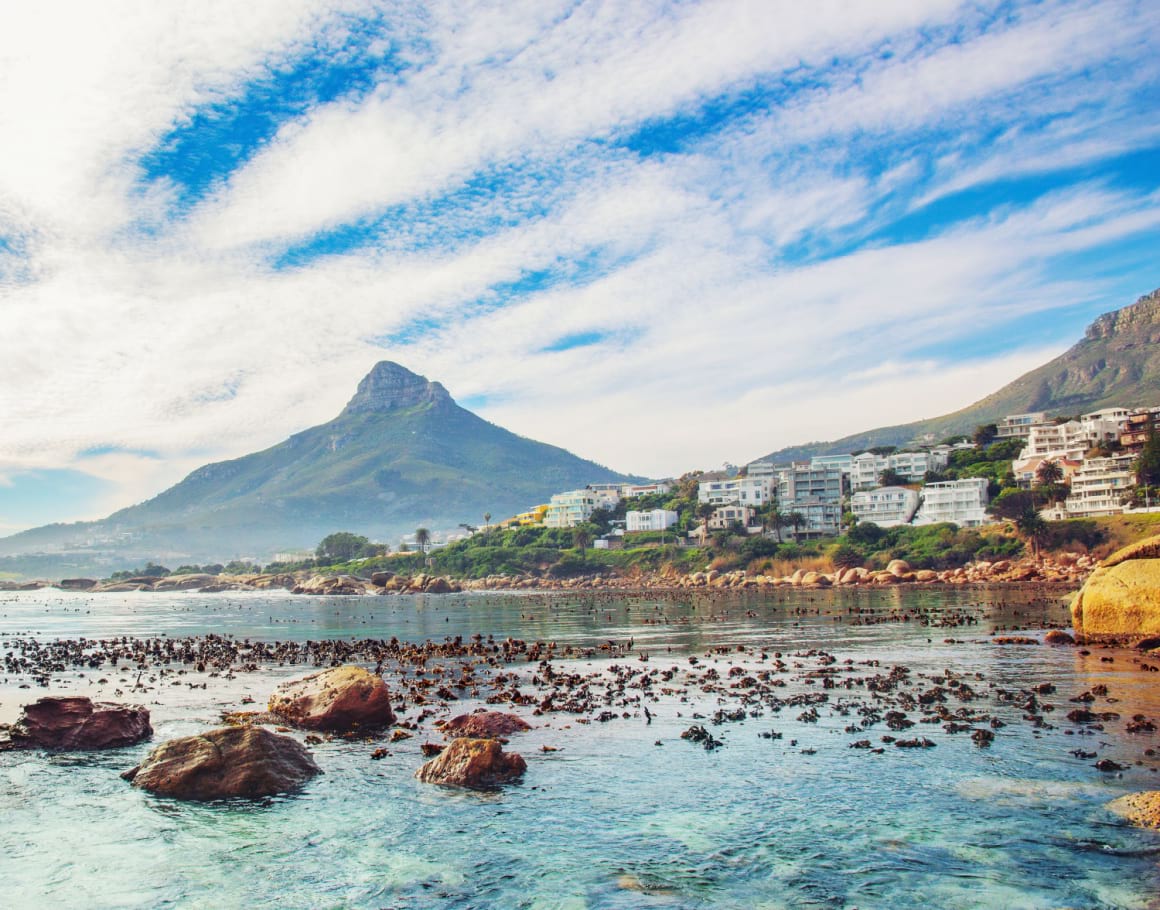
705 511
795 520
422 538
486 521
581 538
1032 528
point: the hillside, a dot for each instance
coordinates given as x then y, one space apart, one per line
1116 363
400 455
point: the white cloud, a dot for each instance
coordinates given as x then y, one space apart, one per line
718 338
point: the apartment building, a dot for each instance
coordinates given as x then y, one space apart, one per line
961 502
885 506
566 510
745 491
652 520
1098 485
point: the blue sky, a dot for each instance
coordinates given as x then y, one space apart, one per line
663 235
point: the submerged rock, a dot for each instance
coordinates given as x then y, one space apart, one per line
484 725
1058 637
227 762
338 700
76 723
478 764
1121 599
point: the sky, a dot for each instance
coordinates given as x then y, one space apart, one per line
663 235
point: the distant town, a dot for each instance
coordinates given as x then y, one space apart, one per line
1064 467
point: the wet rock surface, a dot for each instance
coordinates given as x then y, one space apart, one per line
1142 809
477 764
339 699
484 725
75 723
247 762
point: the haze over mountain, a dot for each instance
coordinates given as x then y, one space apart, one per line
1116 363
402 454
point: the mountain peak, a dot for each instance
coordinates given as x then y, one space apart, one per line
1145 311
389 386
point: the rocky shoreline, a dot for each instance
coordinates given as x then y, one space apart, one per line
1063 569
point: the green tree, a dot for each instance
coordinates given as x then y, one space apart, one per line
1147 464
582 538
985 434
795 520
1032 528
486 521
422 539
341 546
891 478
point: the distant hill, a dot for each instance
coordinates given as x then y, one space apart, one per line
1117 363
402 454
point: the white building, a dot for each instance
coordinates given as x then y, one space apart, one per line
631 491
1073 438
726 517
885 506
654 520
745 491
961 502
1098 485
566 510
1017 426
821 519
806 483
867 469
607 494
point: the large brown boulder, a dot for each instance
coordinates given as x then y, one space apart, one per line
338 700
1141 809
484 725
226 762
1121 599
76 723
479 764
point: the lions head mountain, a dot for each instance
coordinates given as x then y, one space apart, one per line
402 454
1115 364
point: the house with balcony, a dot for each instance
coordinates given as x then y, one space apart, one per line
651 520
1099 485
961 502
885 506
566 510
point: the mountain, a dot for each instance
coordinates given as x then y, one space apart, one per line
402 454
1116 363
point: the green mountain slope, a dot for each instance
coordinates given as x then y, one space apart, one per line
400 455
1117 363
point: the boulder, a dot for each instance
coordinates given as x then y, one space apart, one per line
184 582
484 725
75 723
898 567
438 585
331 585
338 700
380 579
1058 637
77 584
1121 599
1141 809
478 764
226 762
815 580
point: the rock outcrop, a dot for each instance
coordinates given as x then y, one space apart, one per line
1141 809
336 700
478 764
1120 602
227 762
75 723
484 725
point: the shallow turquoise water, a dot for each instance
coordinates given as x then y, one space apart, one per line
757 823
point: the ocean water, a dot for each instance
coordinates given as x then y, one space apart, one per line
624 814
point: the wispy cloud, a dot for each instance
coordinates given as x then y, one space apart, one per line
662 235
